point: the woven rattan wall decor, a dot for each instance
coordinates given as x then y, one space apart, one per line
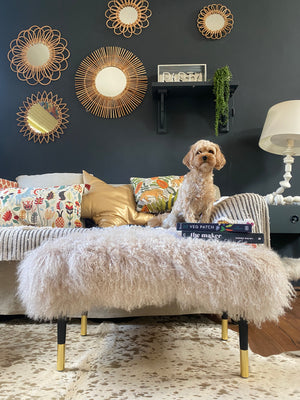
111 82
38 55
215 21
43 117
128 17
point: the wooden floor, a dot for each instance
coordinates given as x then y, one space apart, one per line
275 338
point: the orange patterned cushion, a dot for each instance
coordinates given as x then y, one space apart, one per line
156 194
5 184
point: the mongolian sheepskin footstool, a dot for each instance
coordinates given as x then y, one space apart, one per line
131 267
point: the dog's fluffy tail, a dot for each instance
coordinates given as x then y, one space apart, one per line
157 220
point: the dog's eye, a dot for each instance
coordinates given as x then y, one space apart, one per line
211 151
199 152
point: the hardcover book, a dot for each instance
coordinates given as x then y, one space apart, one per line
182 226
257 238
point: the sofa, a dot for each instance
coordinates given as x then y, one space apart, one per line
80 201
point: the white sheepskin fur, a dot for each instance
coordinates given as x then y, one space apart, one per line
130 267
292 266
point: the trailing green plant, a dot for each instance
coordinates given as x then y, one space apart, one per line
221 90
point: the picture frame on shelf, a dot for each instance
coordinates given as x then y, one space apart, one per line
182 73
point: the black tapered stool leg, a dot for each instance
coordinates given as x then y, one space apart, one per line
224 326
61 342
243 336
84 323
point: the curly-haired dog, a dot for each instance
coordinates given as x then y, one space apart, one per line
196 194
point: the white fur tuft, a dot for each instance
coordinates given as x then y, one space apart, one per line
292 266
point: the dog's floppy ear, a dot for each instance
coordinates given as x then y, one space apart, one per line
220 158
187 160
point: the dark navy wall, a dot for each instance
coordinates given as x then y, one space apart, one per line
263 54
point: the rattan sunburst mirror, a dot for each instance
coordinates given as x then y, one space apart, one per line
215 21
111 82
128 17
38 55
43 117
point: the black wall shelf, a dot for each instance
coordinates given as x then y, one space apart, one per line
162 90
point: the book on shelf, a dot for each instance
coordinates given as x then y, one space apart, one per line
241 237
213 227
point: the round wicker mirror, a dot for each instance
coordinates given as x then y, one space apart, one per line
215 21
111 82
43 117
38 55
128 17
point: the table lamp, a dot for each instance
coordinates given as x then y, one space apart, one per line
281 135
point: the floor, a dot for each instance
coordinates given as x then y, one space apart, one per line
275 338
272 338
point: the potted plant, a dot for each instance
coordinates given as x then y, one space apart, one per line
221 90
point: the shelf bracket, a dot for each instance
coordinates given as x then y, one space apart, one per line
161 111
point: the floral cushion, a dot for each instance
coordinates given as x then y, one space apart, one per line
5 183
59 206
156 195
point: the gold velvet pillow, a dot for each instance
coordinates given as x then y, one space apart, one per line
110 205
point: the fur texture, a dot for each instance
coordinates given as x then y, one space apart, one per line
130 267
196 194
292 266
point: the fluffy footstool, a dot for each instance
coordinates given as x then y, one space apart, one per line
131 267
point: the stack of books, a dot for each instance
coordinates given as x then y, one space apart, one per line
233 232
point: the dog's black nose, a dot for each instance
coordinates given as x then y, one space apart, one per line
204 158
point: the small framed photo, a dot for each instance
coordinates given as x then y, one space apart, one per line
181 73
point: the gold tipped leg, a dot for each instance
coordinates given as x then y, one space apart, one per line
61 357
83 325
224 329
244 363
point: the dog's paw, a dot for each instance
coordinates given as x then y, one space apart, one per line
154 222
170 221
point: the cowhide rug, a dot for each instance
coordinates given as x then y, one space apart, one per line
161 358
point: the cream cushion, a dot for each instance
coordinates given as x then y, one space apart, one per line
49 180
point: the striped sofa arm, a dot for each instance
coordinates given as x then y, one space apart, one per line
245 206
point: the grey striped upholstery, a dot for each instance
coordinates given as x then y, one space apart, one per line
14 242
244 206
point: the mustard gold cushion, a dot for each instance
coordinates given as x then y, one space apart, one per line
110 205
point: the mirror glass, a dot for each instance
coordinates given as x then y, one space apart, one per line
38 54
42 117
110 81
128 15
215 22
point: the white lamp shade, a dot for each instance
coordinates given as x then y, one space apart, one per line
281 126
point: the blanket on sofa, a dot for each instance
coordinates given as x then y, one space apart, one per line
130 267
16 241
